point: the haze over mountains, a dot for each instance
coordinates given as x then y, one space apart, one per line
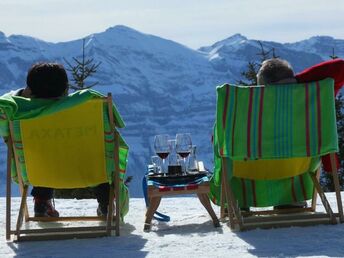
158 85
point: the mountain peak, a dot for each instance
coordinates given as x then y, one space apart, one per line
3 37
315 40
235 39
322 38
120 29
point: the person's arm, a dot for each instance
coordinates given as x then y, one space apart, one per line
332 68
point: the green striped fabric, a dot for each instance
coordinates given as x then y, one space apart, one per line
279 121
17 108
273 122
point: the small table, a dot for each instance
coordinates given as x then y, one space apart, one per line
155 193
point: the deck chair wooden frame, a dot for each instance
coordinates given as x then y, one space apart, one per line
67 232
243 220
283 217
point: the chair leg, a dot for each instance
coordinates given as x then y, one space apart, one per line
337 187
8 195
223 211
323 198
116 159
232 207
25 208
118 211
21 211
206 203
225 197
235 207
109 216
315 193
154 203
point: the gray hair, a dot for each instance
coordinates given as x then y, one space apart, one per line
275 70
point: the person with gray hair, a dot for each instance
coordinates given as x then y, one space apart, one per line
279 71
275 71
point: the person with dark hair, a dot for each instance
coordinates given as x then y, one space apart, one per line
44 80
47 80
50 80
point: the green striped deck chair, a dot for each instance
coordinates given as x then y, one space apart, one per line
65 143
268 141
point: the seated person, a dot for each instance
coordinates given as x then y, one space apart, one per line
279 71
49 80
275 71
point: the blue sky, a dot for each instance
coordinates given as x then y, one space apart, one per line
193 23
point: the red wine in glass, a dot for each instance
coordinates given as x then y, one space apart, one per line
183 146
162 155
162 149
184 154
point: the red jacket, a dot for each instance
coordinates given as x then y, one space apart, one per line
335 70
332 68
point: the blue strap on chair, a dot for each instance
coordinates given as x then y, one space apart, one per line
157 215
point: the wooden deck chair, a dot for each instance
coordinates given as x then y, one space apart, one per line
67 143
268 142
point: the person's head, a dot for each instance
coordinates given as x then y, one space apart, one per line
275 71
47 80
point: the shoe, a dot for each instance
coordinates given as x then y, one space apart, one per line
44 208
295 205
102 210
245 209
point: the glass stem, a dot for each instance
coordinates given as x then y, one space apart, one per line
164 167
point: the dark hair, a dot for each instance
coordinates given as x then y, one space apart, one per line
47 80
274 70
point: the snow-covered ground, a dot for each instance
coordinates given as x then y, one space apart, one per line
190 233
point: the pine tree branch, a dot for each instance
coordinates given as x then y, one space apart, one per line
82 69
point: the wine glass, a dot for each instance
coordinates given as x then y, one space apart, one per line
156 164
162 149
183 147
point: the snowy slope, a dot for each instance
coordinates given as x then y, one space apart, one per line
159 85
190 233
320 45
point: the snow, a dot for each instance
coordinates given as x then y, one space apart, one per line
190 233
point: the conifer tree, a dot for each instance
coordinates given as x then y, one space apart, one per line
326 178
250 74
333 56
340 128
82 69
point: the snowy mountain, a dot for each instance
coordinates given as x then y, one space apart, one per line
159 85
320 45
